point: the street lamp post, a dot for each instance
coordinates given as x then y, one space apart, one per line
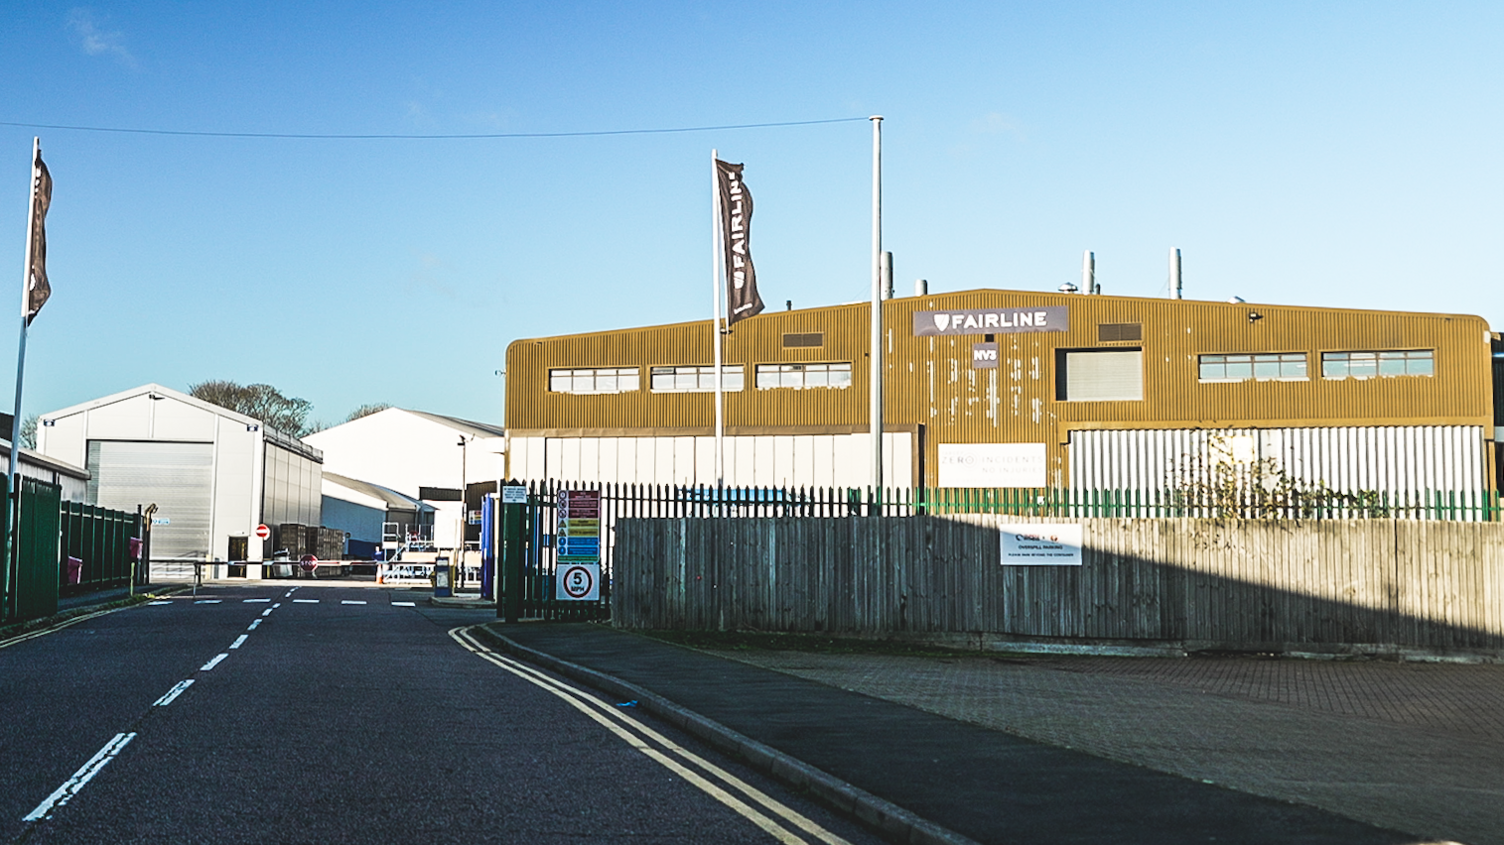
459 539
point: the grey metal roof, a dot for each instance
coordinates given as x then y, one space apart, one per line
476 429
393 499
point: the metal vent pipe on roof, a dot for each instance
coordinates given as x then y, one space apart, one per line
921 287
1089 272
887 271
1175 288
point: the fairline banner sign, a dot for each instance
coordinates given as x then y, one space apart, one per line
742 300
1050 318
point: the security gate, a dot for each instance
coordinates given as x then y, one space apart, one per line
548 550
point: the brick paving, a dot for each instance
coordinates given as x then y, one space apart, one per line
1413 747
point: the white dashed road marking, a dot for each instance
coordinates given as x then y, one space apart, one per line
159 602
403 604
173 693
72 785
215 662
254 624
240 641
207 601
255 601
305 601
348 601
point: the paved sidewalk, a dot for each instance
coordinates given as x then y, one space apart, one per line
1414 747
986 784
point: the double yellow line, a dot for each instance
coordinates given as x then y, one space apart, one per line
777 819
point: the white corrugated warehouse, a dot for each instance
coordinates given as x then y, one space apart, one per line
408 451
214 474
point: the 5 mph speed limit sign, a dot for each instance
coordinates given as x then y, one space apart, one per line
578 582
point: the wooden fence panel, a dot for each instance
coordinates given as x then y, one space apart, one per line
1245 583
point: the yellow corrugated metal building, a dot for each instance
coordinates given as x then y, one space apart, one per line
1070 376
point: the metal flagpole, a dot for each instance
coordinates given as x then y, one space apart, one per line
11 570
875 379
15 427
715 318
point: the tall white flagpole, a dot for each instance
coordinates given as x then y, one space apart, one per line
875 379
715 318
15 426
11 570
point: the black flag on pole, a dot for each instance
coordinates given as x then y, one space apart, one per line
37 288
736 238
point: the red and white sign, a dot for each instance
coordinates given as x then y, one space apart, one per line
262 532
578 582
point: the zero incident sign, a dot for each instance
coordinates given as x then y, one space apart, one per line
1041 544
1052 318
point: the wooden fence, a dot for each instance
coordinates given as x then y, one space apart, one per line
1275 584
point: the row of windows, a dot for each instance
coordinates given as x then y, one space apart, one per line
1334 365
698 379
1280 366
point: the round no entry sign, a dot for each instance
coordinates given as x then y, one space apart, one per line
262 532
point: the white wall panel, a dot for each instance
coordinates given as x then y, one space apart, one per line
554 465
172 420
605 450
1392 459
822 459
704 458
762 461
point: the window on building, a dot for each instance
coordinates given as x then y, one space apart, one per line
1099 375
694 379
1264 367
803 375
598 380
1399 362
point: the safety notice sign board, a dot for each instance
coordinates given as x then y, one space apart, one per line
577 576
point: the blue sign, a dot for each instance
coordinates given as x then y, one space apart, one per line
579 545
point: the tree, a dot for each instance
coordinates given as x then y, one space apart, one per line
366 411
29 432
262 401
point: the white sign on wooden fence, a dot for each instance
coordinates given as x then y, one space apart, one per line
1041 544
992 465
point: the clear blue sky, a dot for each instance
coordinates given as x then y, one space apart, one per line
1342 154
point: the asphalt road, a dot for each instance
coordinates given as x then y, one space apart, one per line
341 717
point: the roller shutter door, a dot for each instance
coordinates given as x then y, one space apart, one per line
178 477
1104 376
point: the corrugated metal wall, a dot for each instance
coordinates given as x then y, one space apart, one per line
1392 459
930 380
758 461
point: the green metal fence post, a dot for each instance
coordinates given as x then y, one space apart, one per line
513 520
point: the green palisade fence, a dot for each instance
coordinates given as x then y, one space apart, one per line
34 592
99 537
1444 505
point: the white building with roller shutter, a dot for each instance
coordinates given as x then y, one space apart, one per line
214 474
